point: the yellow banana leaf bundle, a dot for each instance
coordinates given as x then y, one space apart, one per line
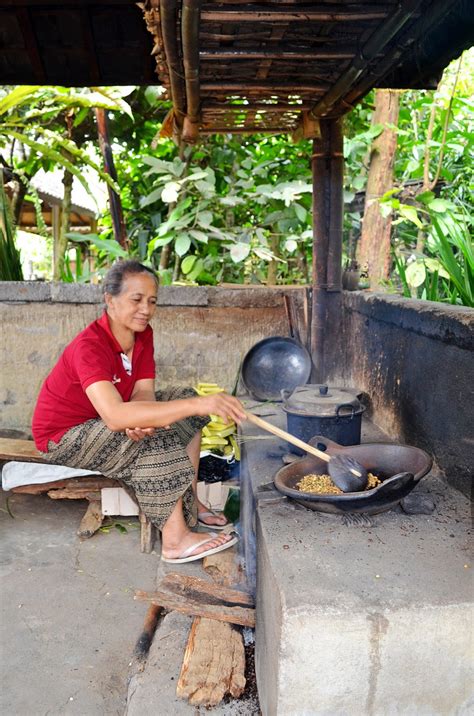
218 437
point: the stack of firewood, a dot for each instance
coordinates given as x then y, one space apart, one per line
214 659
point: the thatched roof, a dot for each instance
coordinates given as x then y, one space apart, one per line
238 65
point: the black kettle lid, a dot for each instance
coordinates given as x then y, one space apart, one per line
320 400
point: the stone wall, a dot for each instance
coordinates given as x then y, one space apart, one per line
201 334
415 361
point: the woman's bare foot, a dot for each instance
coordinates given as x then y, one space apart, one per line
175 547
209 517
177 540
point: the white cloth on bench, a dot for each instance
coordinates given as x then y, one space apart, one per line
16 474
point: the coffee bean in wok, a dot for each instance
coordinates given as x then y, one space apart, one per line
347 474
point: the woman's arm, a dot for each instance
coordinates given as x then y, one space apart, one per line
118 415
144 390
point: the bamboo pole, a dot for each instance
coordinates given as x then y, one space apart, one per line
242 86
292 14
190 18
278 107
277 54
168 12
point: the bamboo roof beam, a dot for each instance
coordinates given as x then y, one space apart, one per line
290 13
248 86
379 39
277 33
278 107
244 130
286 55
190 18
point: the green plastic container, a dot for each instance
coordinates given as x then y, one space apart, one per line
232 505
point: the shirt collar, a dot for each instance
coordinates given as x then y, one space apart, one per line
103 322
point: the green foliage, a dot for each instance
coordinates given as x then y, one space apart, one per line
445 270
238 209
234 204
37 118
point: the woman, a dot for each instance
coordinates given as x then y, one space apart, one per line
98 410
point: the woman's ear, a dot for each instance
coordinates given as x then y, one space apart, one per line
108 298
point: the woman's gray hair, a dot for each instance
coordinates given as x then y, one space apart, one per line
114 278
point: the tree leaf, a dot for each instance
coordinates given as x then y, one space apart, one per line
410 214
433 265
16 97
415 273
239 251
425 197
204 219
188 263
198 267
153 196
182 244
438 205
300 212
199 235
153 94
159 166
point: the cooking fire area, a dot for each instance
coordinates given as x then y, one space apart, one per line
363 600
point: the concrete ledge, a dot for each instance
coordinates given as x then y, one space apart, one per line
443 322
359 620
214 296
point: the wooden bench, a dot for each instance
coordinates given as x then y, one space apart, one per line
88 487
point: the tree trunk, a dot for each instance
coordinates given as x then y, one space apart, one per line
61 242
18 196
165 257
374 247
273 264
118 223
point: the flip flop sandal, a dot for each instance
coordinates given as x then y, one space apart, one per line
188 556
212 514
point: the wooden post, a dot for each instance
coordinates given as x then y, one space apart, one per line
120 233
327 165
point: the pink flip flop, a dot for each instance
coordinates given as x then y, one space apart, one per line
212 514
188 556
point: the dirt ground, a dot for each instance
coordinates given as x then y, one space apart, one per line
69 622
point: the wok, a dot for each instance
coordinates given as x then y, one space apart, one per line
400 467
274 364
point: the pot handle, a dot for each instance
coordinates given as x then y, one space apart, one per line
285 393
323 443
346 406
395 483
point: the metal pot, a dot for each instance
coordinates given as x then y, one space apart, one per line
274 364
322 410
400 467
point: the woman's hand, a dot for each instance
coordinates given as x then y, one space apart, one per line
225 406
137 434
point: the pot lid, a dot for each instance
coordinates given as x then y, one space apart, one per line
322 400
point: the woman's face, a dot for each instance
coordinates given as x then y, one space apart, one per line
135 304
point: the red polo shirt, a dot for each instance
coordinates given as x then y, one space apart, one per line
93 355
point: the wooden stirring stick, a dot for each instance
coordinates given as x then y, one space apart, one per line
295 441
